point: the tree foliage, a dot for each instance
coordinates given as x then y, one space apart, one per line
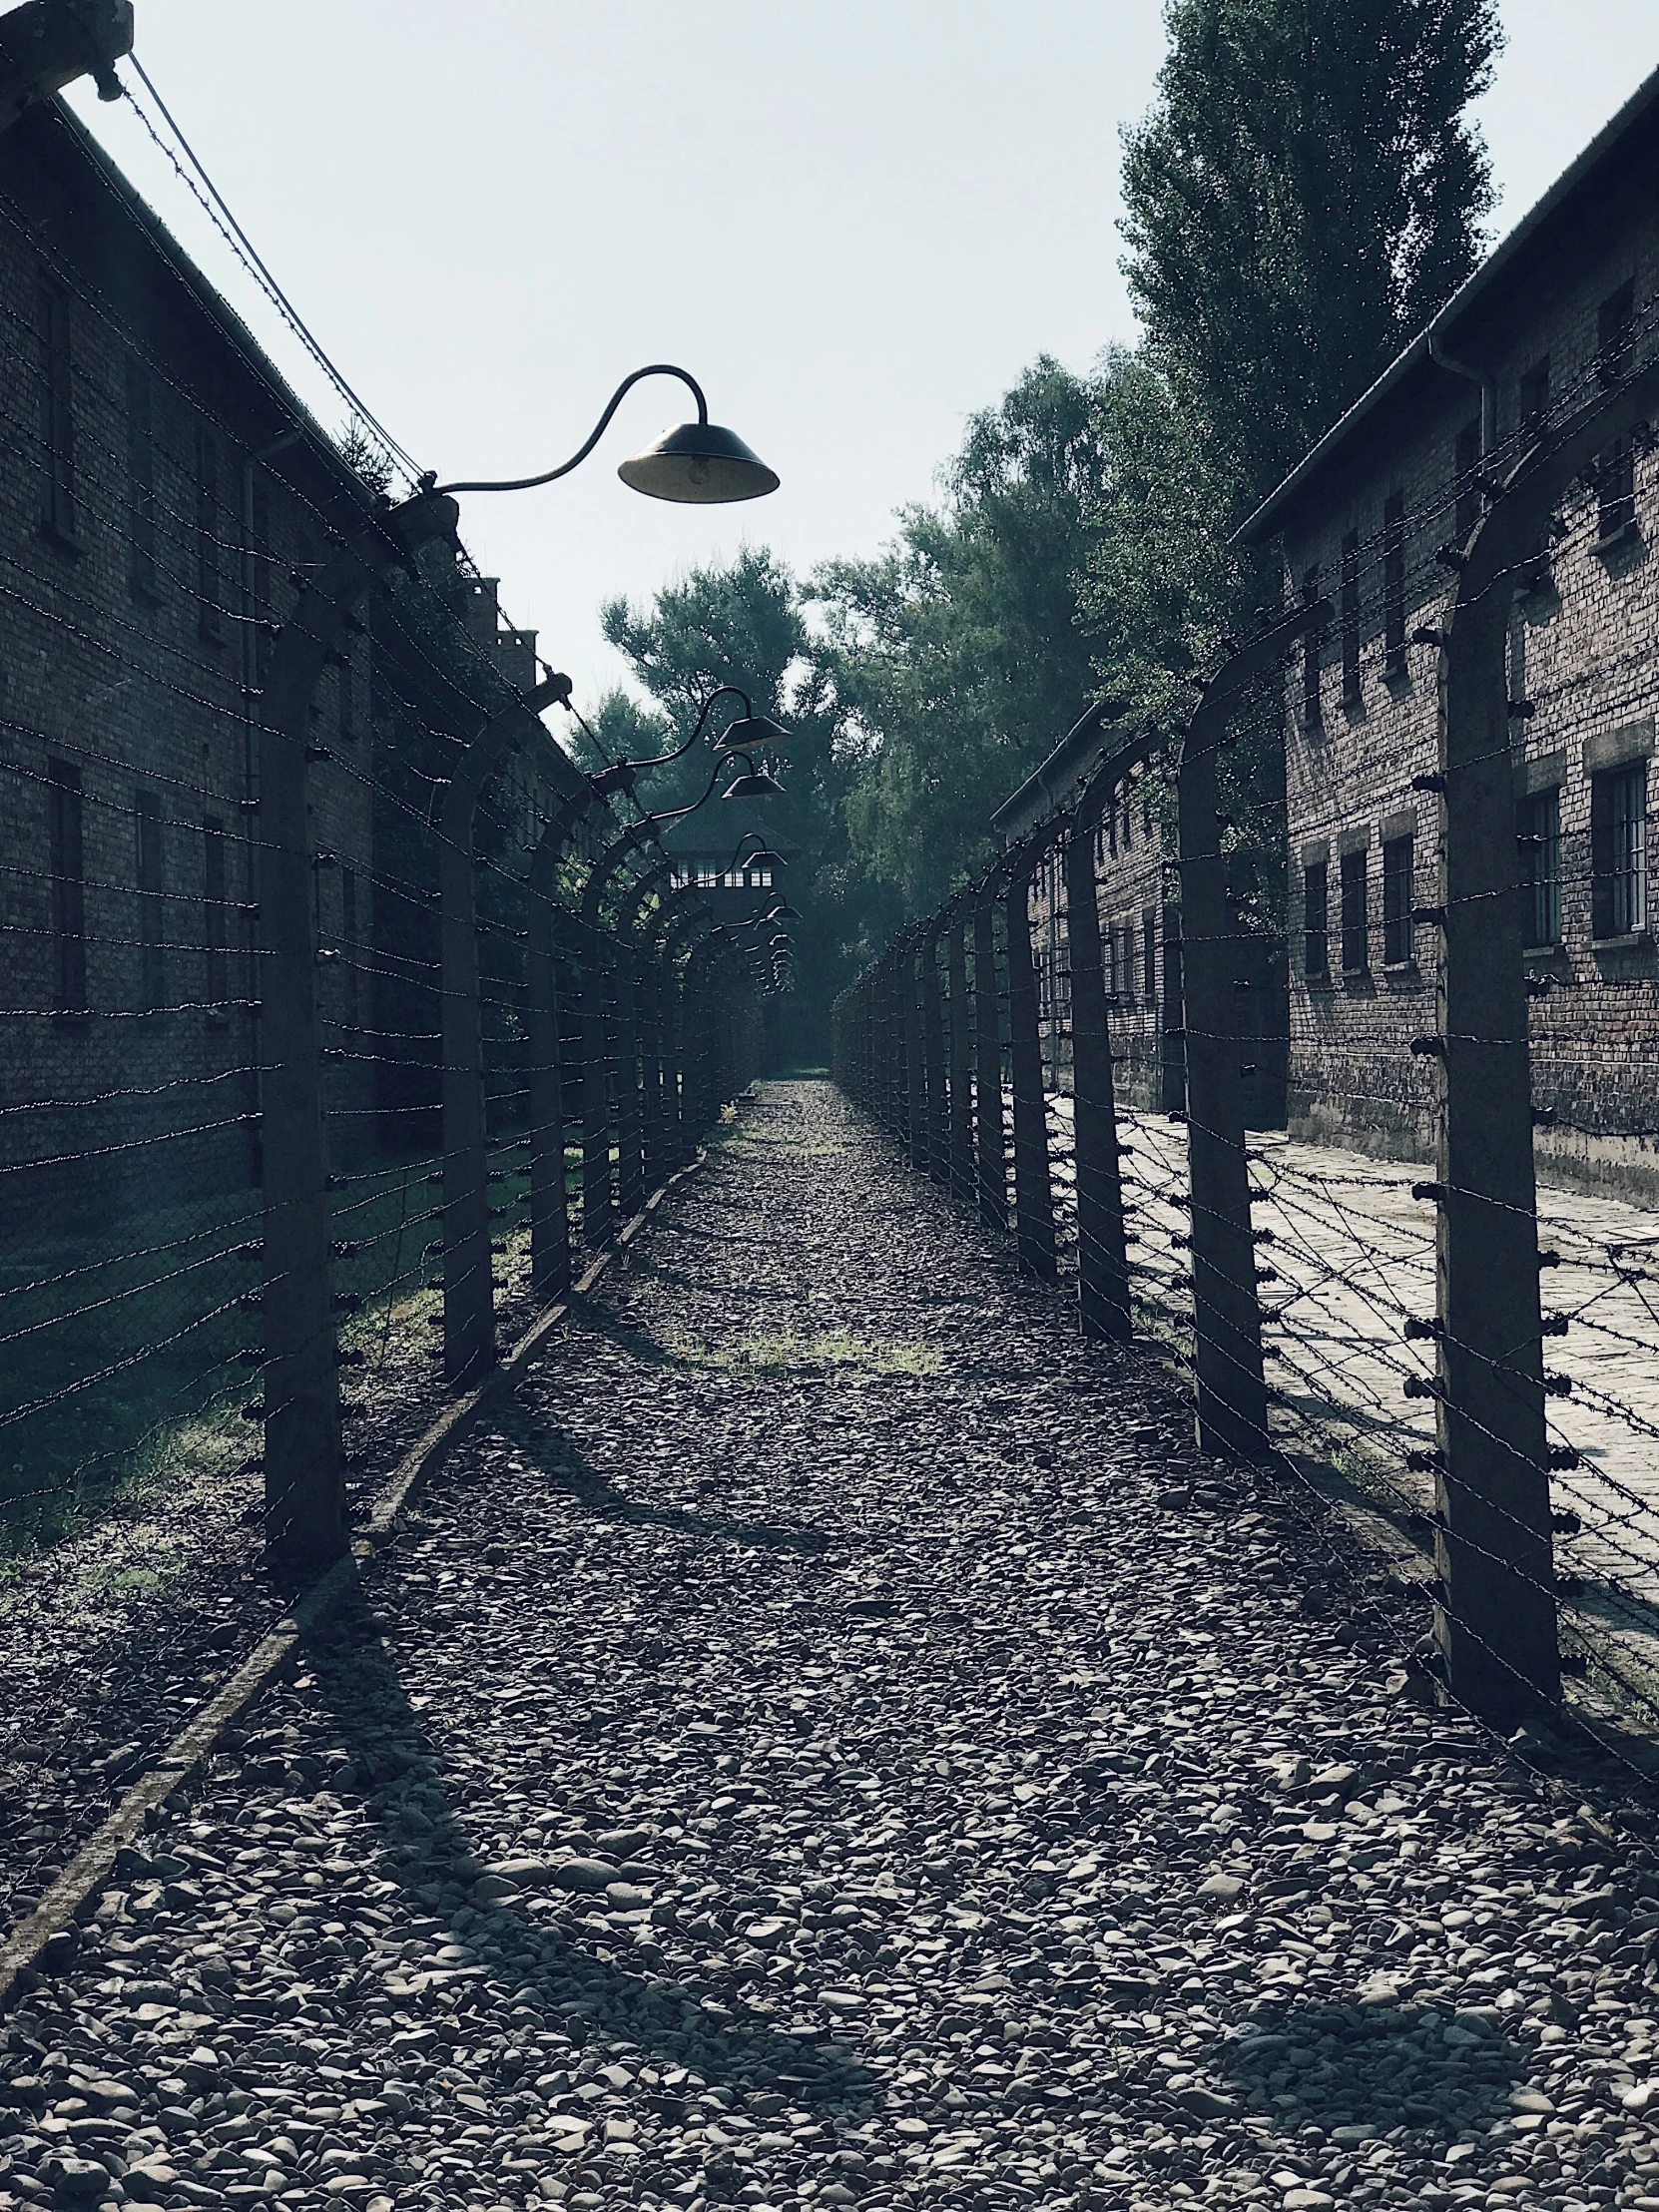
956 653
1307 190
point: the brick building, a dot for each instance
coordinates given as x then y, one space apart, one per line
1139 930
1563 307
160 490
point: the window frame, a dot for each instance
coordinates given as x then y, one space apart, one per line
1315 934
1353 873
1618 853
1353 680
58 511
1539 857
1393 586
1400 863
66 856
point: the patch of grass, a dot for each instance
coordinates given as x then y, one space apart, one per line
786 1352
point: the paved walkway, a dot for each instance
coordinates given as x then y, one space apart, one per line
837 1745
1353 1260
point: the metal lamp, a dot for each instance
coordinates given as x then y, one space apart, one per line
696 464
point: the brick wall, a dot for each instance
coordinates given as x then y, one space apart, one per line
1582 654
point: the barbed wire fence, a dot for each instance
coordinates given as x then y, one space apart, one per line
1373 1326
309 1061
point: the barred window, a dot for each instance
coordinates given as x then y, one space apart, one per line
1538 836
1398 932
140 481
1316 919
213 910
151 901
1351 694
1618 839
207 613
1313 710
69 883
57 418
1393 585
1356 913
1149 955
1465 484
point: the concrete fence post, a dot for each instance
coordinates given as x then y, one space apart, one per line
938 1151
553 989
468 1284
960 1171
602 1042
1497 1620
912 1060
304 1504
1103 1306
1227 1313
991 1122
1033 1180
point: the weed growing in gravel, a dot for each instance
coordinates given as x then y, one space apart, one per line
835 1347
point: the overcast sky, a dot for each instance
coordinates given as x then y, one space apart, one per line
854 221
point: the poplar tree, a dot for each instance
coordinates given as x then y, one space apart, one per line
1307 190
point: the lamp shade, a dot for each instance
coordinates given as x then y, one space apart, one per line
756 731
699 464
754 783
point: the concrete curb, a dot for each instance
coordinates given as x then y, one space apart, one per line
88 1873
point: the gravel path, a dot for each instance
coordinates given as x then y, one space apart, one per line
838 1743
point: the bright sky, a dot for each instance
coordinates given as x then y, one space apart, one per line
854 221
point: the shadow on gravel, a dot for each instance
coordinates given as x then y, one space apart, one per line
1375 2066
565 1471
433 1863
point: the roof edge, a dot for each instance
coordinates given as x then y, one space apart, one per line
1262 523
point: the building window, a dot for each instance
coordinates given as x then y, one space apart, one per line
1538 836
1315 921
140 481
259 580
349 942
1393 585
1534 399
208 621
1615 336
1125 963
1465 484
1618 842
152 933
1351 619
69 883
1615 465
1398 935
213 910
1149 955
57 418
1356 913
1313 711
347 697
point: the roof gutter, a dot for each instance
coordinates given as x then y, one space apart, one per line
1485 384
1264 522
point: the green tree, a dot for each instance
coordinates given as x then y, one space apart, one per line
743 625
956 653
1307 190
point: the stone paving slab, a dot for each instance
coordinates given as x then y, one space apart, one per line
834 1742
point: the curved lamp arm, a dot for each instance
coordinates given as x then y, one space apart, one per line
679 813
661 760
529 483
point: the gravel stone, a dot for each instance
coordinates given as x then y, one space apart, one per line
835 1741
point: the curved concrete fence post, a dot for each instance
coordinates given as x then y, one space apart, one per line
1033 1180
1495 1618
468 1280
1103 1308
304 1504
